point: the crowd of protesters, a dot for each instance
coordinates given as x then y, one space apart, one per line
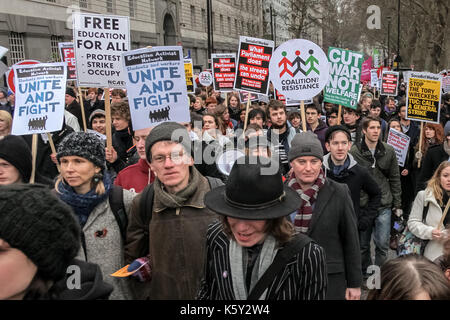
300 215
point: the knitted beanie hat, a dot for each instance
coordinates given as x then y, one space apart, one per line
168 131
16 151
37 223
84 145
305 144
71 92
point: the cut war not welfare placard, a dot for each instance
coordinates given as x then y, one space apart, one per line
423 97
156 86
40 98
252 72
99 42
345 73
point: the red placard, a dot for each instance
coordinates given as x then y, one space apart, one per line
389 83
67 54
224 71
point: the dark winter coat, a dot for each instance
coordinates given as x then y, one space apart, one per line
434 157
75 109
320 132
357 178
333 226
384 170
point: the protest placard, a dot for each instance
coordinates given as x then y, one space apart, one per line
67 54
205 78
99 41
376 58
243 96
156 86
3 51
10 78
290 102
345 73
224 71
423 97
40 98
299 69
252 71
373 78
189 74
365 70
400 142
389 83
446 84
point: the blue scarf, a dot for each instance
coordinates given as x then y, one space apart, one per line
339 170
83 204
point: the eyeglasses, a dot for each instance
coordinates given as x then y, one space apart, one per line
175 157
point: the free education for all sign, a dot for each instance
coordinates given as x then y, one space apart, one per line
224 71
99 42
345 73
252 72
156 86
40 98
423 98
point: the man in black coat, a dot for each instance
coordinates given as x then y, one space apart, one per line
327 216
341 167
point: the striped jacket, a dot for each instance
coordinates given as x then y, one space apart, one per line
303 278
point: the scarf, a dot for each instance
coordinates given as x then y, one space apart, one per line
309 197
177 200
83 204
389 112
339 171
238 264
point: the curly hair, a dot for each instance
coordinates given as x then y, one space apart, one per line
122 110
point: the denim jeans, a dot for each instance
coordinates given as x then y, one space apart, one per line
381 235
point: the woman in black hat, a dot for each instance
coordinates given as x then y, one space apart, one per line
253 253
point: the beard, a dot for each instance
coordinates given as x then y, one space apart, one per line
276 126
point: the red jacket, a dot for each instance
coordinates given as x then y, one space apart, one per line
135 177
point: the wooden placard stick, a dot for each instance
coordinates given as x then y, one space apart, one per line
444 215
246 111
52 146
226 99
108 120
34 142
80 94
339 115
302 112
420 145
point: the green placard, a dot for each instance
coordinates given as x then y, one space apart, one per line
345 73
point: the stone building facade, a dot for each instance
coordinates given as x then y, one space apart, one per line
31 29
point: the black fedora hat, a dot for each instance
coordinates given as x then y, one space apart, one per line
252 192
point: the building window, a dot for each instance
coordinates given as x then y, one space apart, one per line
84 4
110 6
213 21
229 25
222 30
54 40
204 20
236 26
132 5
193 19
16 47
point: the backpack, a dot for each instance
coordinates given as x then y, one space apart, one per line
408 243
146 208
118 209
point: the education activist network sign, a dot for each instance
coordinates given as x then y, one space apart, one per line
99 42
40 98
345 73
299 69
156 86
423 98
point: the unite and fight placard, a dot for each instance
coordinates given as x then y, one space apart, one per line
224 71
252 72
156 86
40 98
423 98
99 42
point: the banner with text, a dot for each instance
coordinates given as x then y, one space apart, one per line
345 73
189 74
40 97
224 71
252 72
299 69
400 142
156 86
67 54
423 97
389 83
99 42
